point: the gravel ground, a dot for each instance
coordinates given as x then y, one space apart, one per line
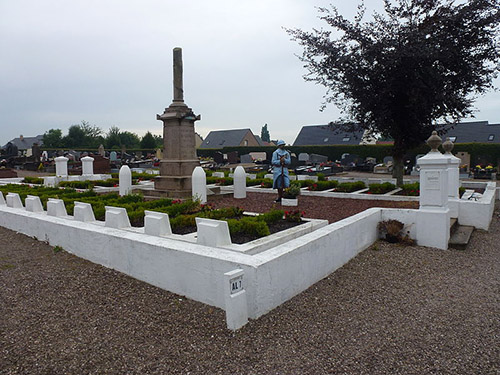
391 310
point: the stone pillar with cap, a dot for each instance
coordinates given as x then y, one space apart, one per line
453 178
433 216
179 148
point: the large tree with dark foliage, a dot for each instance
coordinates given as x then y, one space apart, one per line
419 64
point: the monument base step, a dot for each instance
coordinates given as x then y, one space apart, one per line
460 237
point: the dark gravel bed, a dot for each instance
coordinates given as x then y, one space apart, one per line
391 310
331 209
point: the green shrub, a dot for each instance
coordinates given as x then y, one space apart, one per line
33 180
267 183
381 188
349 187
271 217
411 189
77 184
323 185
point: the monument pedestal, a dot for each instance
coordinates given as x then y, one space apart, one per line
179 146
433 217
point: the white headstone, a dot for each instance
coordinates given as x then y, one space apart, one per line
61 166
56 207
240 182
50 181
116 217
199 184
125 180
87 165
157 224
213 233
83 212
33 203
14 200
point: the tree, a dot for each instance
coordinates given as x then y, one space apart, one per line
148 141
408 72
264 134
52 138
75 138
113 137
129 139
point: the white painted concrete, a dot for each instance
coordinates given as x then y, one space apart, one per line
61 166
83 212
125 180
235 299
56 207
87 166
33 203
240 182
116 217
14 200
213 233
2 199
157 224
199 184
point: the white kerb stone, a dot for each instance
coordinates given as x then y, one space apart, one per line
83 212
218 174
56 207
235 299
33 203
240 183
212 232
50 181
14 200
125 180
116 217
157 224
199 184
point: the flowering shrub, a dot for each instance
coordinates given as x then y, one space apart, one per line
292 191
322 185
381 188
411 189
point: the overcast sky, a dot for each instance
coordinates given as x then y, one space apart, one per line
109 62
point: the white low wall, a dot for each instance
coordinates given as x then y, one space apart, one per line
478 213
270 277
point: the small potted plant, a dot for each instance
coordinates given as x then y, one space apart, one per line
290 195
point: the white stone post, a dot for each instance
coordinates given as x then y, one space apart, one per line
61 166
2 199
240 182
453 179
125 180
199 184
433 217
235 299
87 166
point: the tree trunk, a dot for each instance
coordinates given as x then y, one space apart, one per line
397 171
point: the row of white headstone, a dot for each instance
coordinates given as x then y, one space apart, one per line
209 232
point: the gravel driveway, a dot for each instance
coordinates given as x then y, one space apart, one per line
391 310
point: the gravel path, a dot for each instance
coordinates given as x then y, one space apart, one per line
391 310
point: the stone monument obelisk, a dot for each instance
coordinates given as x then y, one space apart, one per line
179 148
